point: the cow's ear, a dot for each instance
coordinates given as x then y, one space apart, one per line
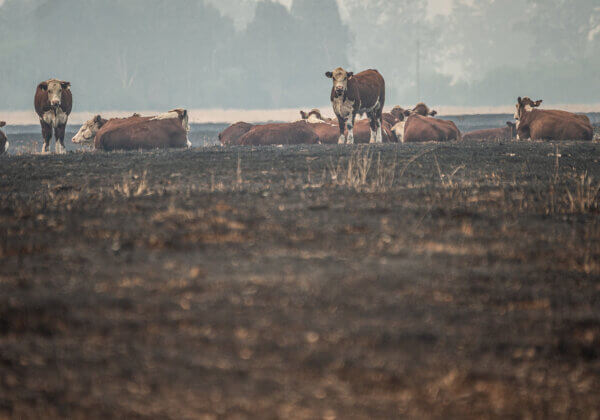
303 115
98 120
406 112
519 100
538 102
433 113
329 74
2 123
349 74
510 124
65 85
43 86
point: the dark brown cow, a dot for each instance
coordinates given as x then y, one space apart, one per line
3 139
423 110
537 124
299 132
167 130
357 94
507 133
417 128
232 134
53 103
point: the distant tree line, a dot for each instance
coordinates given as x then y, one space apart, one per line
156 54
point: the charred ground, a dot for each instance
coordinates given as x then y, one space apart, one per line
424 281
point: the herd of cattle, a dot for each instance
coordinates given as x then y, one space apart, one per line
351 95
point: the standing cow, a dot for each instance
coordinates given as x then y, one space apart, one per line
3 139
53 102
357 94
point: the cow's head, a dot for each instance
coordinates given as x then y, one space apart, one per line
340 80
313 116
54 88
513 129
88 130
525 105
400 113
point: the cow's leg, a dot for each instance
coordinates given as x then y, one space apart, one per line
379 121
46 135
342 125
350 126
59 134
373 128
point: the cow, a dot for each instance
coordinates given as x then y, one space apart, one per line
299 132
136 132
53 103
232 134
537 124
314 116
3 140
507 133
327 133
423 110
417 128
357 94
362 132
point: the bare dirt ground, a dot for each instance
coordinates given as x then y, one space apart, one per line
397 281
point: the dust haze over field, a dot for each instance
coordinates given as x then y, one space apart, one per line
247 54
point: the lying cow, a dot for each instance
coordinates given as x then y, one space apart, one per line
314 116
3 140
167 130
357 94
362 132
537 124
299 132
507 133
417 128
53 103
232 134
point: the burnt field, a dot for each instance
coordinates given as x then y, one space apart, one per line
417 281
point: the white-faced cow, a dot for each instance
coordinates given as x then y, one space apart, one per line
314 116
357 94
136 132
3 139
53 103
537 124
416 128
423 110
507 133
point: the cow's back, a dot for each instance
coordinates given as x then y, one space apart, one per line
488 135
141 133
557 125
327 133
234 133
369 86
419 129
281 133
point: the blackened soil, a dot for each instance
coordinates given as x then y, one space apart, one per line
451 281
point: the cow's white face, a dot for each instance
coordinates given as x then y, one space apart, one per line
340 80
55 89
88 131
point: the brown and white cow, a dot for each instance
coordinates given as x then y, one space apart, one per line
299 132
232 134
3 140
53 103
507 133
314 116
357 94
423 110
168 130
417 128
537 124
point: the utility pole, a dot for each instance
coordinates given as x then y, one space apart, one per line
418 69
